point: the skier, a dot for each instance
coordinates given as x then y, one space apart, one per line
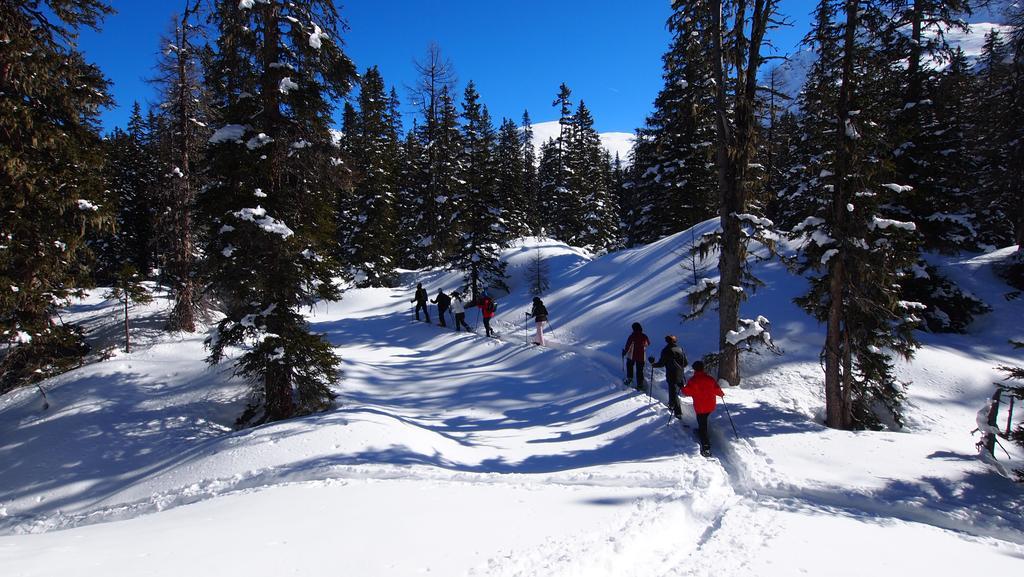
674 360
636 345
442 301
460 313
703 389
488 307
421 301
539 314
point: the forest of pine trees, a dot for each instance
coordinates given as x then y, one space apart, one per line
238 194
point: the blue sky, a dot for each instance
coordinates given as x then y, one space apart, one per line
517 52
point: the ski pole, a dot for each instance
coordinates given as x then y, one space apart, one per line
728 414
526 328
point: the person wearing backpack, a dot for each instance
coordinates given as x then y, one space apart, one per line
673 359
703 389
421 301
460 313
442 301
636 345
488 307
540 314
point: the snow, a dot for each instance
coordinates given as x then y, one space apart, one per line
84 204
886 223
258 216
620 143
229 133
287 85
317 37
452 454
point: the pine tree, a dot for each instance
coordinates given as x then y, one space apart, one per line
128 287
438 133
856 254
733 37
538 274
591 210
131 179
411 193
277 66
922 156
483 222
374 145
531 185
995 127
185 116
557 201
675 185
511 179
51 178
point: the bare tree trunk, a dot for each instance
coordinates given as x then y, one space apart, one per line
127 337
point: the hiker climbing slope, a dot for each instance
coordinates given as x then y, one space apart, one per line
442 301
636 346
488 308
539 313
704 390
421 301
460 312
673 359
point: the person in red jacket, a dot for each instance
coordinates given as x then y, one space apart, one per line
636 346
488 307
703 389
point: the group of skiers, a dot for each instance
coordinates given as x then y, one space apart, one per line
701 387
454 304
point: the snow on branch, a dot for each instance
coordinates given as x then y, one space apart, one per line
258 216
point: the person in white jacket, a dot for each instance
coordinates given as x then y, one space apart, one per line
460 312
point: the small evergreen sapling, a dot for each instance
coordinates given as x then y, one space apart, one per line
129 288
537 274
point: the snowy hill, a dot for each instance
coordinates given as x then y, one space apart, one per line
454 454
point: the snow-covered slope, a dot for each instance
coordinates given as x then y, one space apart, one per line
454 454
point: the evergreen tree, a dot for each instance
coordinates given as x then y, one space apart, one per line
531 185
675 185
857 254
435 235
185 116
733 38
556 201
411 193
51 179
483 222
997 130
128 288
277 67
131 179
591 212
511 179
549 171
374 145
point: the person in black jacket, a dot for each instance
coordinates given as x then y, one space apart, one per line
673 359
539 314
442 301
421 301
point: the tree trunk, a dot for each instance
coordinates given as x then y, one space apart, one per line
837 350
182 316
277 376
127 337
